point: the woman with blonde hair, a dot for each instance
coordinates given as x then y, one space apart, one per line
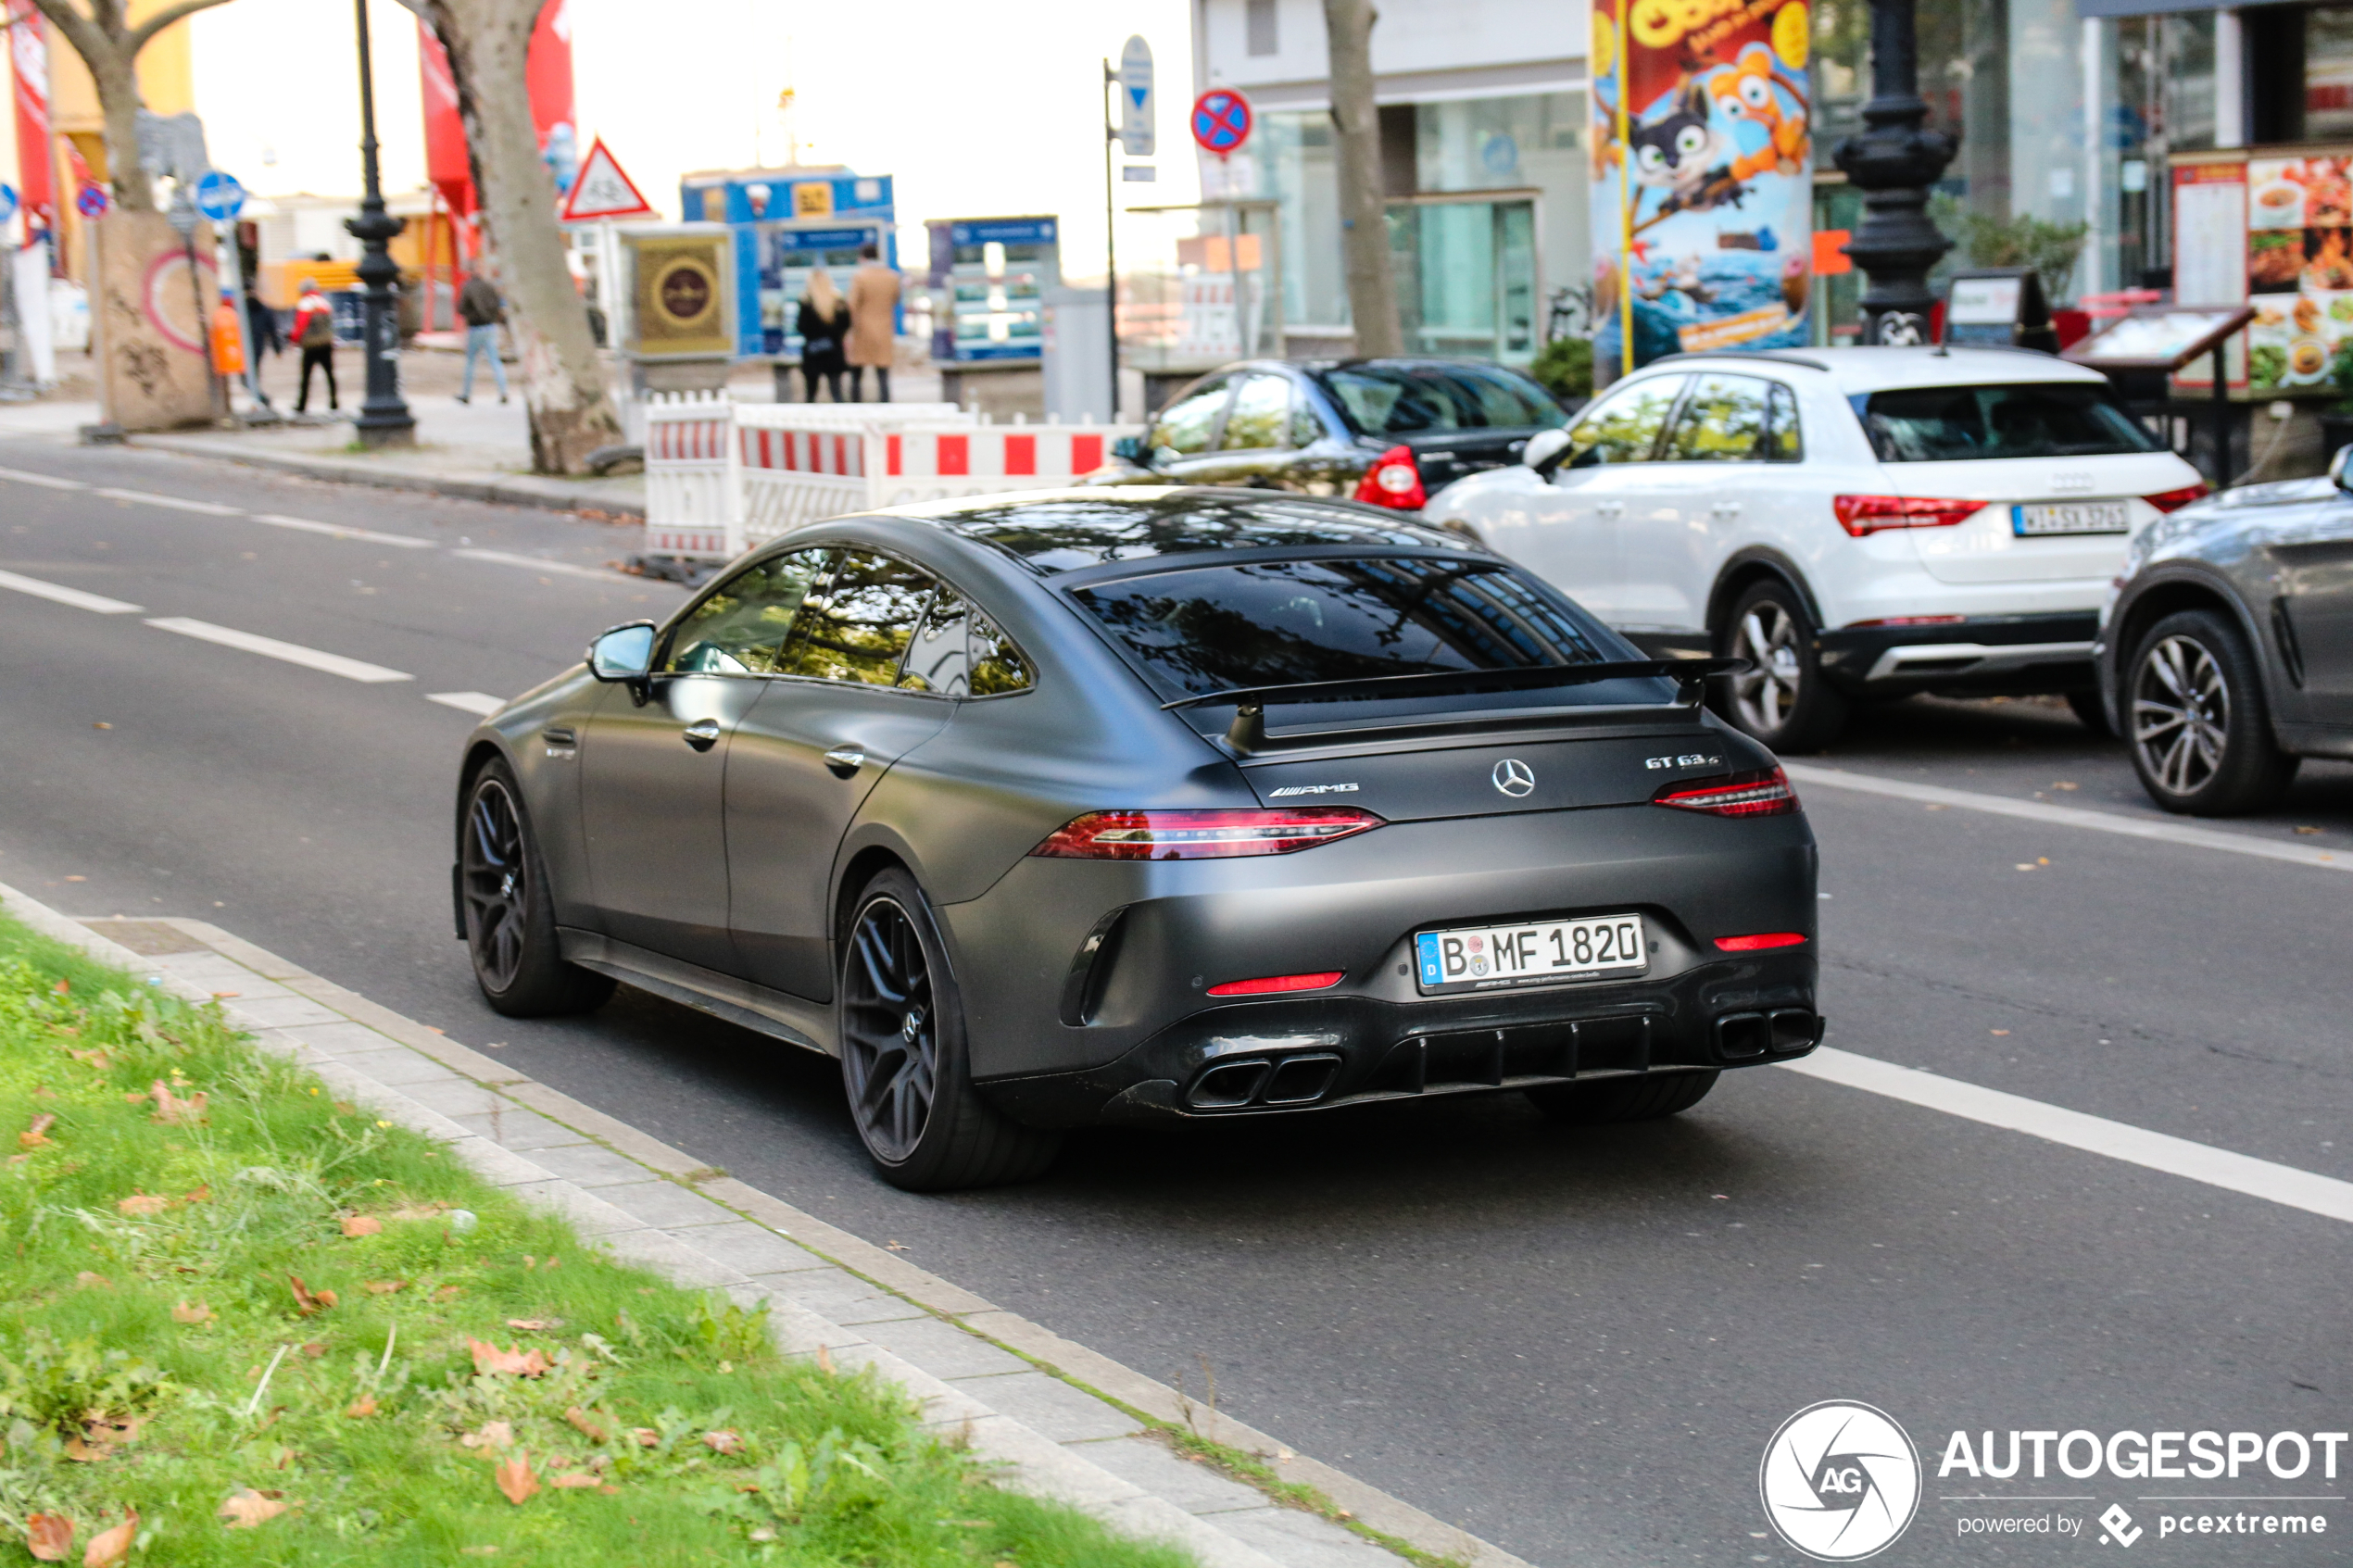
822 324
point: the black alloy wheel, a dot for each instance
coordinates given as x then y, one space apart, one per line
1646 1098
510 927
904 1062
2194 714
1782 700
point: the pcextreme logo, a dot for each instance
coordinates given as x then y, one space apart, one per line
1840 1480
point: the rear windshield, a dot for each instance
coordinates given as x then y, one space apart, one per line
1401 399
1943 424
1278 623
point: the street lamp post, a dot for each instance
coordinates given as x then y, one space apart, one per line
384 420
1893 163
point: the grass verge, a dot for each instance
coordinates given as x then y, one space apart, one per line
241 1322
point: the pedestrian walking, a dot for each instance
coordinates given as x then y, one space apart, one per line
314 333
261 325
484 313
873 307
824 325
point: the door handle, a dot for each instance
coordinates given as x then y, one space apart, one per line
1728 509
845 761
1609 508
702 734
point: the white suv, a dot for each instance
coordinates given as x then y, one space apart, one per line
1855 521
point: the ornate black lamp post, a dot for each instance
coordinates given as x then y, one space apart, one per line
1893 163
383 419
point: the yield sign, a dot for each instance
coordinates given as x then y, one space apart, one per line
603 190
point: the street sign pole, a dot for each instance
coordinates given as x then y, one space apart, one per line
221 198
1111 251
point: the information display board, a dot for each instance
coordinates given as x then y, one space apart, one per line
785 223
992 275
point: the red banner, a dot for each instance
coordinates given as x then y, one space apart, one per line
36 159
548 74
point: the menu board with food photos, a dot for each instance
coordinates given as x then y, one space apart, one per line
2299 267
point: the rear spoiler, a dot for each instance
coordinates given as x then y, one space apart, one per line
1248 731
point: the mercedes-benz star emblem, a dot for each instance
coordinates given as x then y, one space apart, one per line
1513 777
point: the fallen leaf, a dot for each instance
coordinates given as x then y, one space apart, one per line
43 1091
515 1479
2001 1031
97 1058
494 1435
418 1212
554 1263
536 1323
315 1349
521 1363
385 1286
108 1548
48 1536
365 1405
450 1293
136 1096
199 1312
37 1132
587 1424
361 1224
576 1478
63 987
143 1203
647 1437
723 1442
198 1195
172 1109
824 1360
307 1302
83 1451
896 1246
249 1507
89 1281
19 1159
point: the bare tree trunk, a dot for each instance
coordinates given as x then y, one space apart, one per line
110 47
1372 285
118 83
564 382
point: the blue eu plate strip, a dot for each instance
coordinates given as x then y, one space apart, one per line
1426 952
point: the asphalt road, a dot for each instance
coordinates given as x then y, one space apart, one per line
1574 1343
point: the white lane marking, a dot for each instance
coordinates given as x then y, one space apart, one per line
505 558
2095 1134
481 703
2069 816
270 648
174 502
65 596
50 480
337 530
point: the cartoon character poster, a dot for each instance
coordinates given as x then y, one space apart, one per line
1721 149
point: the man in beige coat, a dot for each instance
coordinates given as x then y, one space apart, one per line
873 303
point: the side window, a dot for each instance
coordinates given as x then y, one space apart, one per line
938 659
1723 420
1623 427
1261 409
1787 443
1306 425
1186 426
741 628
859 624
998 666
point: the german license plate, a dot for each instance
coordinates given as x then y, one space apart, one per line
1480 958
2070 517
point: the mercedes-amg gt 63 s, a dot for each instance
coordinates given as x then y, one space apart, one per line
1147 806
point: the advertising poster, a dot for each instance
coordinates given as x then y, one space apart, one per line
1721 154
2299 269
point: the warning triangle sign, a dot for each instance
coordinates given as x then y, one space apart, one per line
602 191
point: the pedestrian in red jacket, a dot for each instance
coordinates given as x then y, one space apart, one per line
314 333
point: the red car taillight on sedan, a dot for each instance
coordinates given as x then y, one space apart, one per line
1864 515
2174 500
1394 480
1203 836
1764 792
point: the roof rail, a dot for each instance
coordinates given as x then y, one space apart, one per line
1778 356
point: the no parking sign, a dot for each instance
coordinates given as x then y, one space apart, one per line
1221 120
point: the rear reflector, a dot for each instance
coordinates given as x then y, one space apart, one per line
1861 515
1762 940
1323 981
1765 792
1203 836
1395 479
2174 500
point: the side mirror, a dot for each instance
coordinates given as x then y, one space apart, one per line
623 653
2341 469
1129 449
1543 450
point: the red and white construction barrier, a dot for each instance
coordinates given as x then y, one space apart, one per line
690 484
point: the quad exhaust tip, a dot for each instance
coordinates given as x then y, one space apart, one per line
1285 1081
1743 1036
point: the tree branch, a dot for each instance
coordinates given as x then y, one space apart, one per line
141 34
79 29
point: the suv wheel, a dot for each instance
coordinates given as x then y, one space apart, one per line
903 1059
1784 700
2194 711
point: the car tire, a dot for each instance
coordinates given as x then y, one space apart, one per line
904 1059
1786 701
2092 712
1645 1098
2196 722
509 911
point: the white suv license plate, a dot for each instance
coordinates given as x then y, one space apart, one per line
2070 517
1478 958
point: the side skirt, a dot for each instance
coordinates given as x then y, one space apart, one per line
777 1014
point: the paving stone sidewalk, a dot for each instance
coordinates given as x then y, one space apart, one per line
1063 1421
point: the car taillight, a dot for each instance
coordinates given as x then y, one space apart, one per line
1765 792
2174 500
1761 941
1394 480
1861 515
1203 836
1275 983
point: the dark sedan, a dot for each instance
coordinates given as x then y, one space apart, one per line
2227 651
1392 432
1043 811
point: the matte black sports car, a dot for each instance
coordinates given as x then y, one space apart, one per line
1088 806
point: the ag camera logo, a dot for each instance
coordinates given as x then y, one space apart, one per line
1840 1481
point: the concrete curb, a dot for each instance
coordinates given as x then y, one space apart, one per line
513 490
1060 1418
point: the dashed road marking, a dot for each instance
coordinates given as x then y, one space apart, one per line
504 557
481 704
65 596
270 648
143 498
341 531
46 480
